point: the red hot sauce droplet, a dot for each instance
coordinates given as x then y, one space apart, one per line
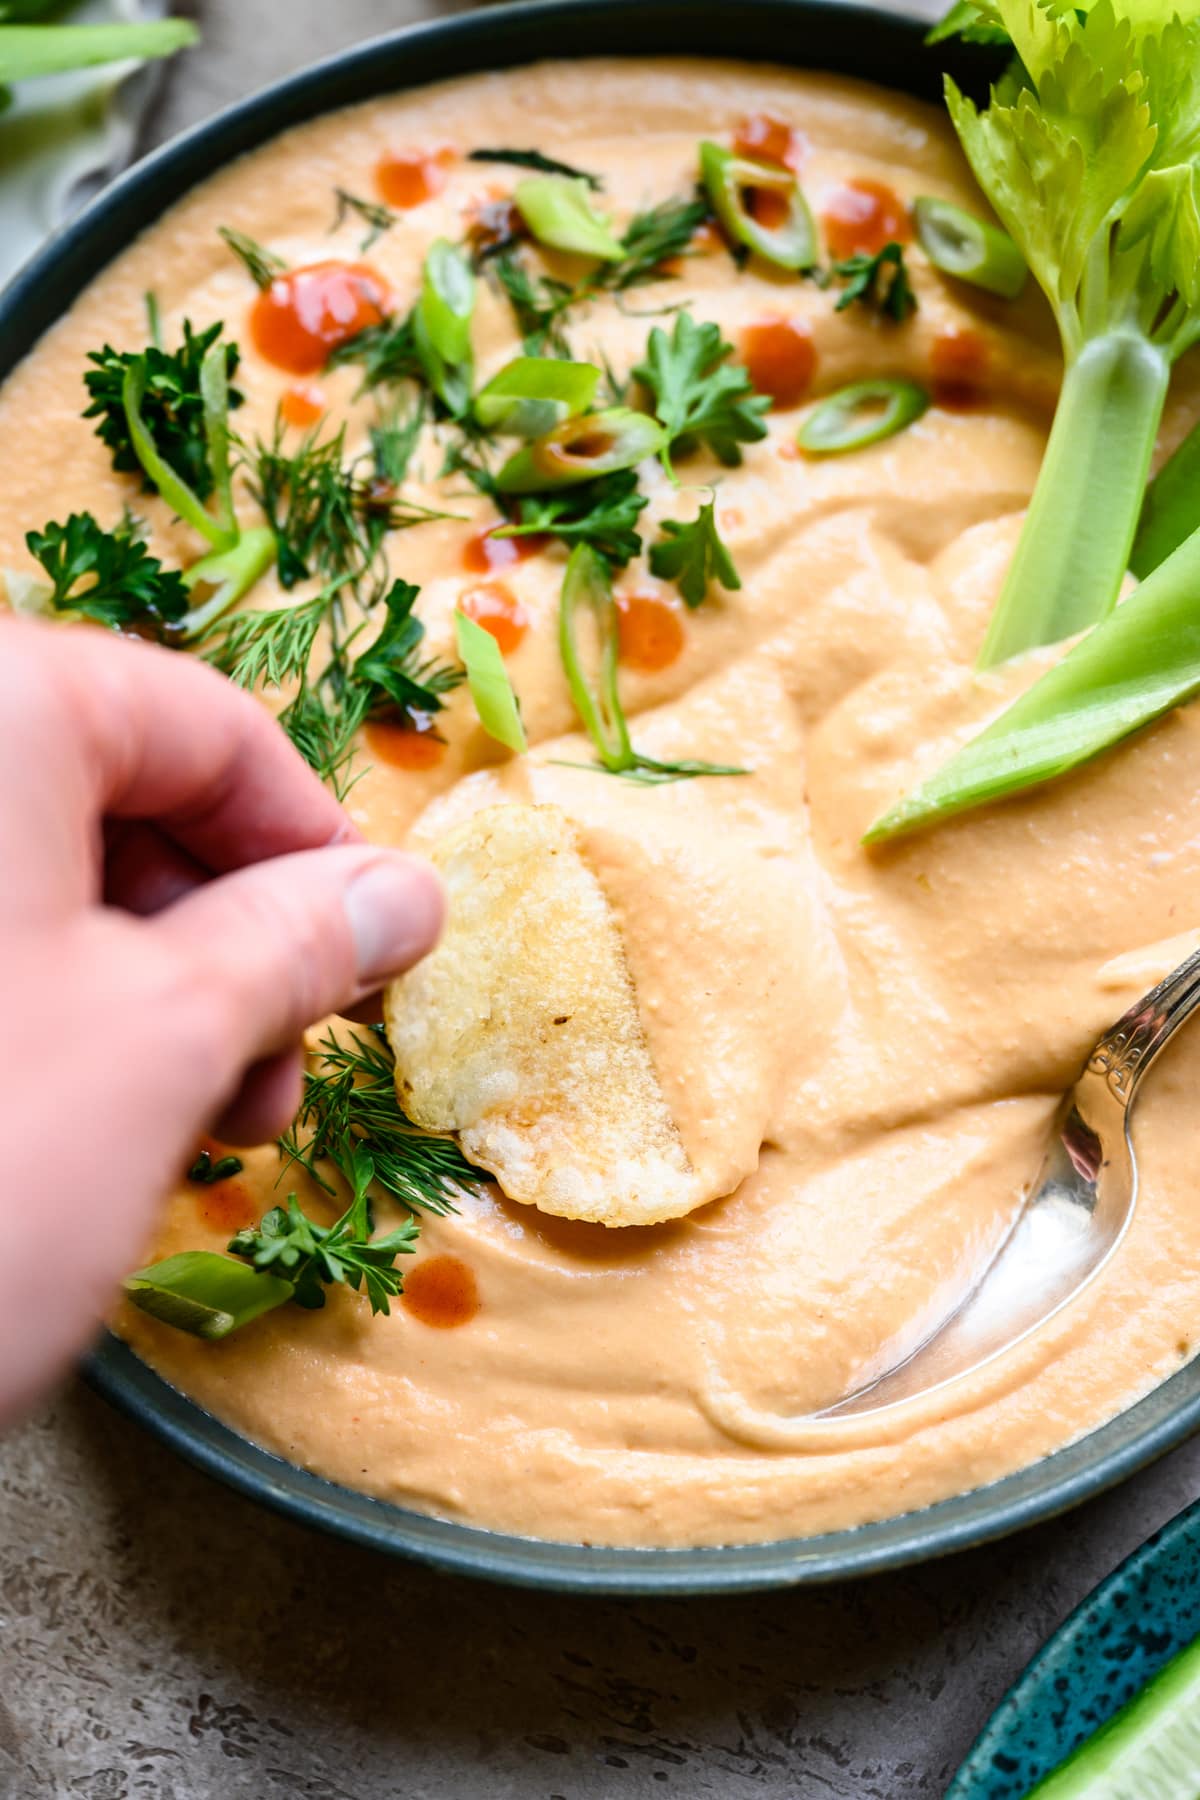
441 1291
650 633
863 216
780 358
407 744
407 178
771 140
305 314
498 610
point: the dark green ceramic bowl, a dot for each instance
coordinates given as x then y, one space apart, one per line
852 40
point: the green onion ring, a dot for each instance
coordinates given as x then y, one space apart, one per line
864 413
959 244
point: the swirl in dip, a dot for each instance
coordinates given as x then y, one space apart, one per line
877 1037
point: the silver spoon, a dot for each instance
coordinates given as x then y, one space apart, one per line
1072 1219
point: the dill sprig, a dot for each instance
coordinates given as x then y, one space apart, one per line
350 1103
270 647
540 303
373 213
260 264
534 159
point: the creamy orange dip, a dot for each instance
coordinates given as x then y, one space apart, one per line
877 1038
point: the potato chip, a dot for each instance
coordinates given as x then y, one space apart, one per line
521 1031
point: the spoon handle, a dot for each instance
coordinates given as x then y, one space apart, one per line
1125 1053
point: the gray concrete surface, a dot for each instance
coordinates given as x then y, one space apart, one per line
161 1637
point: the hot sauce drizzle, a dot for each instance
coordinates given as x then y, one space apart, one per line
484 553
305 314
498 610
441 1291
302 404
958 363
407 178
771 140
780 358
405 744
650 633
862 216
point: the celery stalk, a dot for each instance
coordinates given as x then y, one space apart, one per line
1092 164
1171 510
1141 661
1072 555
27 50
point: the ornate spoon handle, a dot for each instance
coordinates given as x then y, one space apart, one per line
1123 1054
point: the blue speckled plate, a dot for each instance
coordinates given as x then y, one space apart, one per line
1111 1646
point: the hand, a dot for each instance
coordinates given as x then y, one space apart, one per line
179 899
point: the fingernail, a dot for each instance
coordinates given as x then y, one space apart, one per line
395 910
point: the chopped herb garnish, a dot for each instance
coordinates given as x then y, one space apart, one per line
394 440
172 406
879 281
693 556
291 1246
601 513
373 213
108 576
391 668
323 720
653 238
262 265
270 647
350 1101
534 159
592 675
698 395
388 353
538 303
206 1172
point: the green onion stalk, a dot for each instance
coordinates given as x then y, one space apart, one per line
237 558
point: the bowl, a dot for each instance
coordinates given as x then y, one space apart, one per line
843 38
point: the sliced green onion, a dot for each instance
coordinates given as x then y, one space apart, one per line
958 243
448 300
864 413
533 394
587 597
214 394
559 212
204 1293
442 324
587 611
1171 508
491 689
173 488
731 182
225 577
580 449
27 50
1140 661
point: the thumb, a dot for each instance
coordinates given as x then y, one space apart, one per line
276 946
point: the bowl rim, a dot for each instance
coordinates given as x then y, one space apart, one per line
851 38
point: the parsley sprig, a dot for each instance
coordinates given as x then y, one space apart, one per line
172 408
694 555
602 513
880 281
108 576
288 1243
698 394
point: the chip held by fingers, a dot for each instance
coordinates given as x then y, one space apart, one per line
521 1031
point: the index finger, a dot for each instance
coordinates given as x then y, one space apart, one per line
161 737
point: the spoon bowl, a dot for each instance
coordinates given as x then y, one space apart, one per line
1071 1220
